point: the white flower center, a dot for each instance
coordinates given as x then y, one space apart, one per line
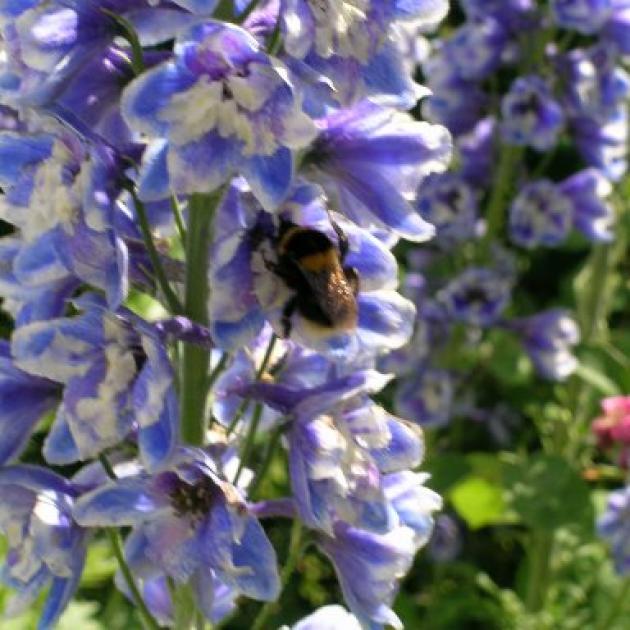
229 106
340 28
54 200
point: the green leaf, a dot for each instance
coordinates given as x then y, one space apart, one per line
446 470
478 501
80 615
597 379
100 565
547 493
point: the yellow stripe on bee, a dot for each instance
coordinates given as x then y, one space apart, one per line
321 261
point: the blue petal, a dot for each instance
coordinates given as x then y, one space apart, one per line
156 25
23 401
385 320
270 177
99 258
300 487
157 441
39 261
386 76
35 479
95 409
58 348
61 592
377 196
18 151
405 449
255 552
202 7
154 182
125 502
60 447
430 10
145 97
233 335
203 165
156 406
13 8
376 265
215 599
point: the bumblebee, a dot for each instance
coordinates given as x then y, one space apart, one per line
312 266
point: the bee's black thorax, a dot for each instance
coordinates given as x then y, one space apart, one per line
311 265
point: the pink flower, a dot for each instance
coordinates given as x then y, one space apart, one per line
613 427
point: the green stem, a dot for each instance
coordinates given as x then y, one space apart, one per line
171 298
145 616
117 547
225 11
201 623
275 40
617 606
538 570
196 360
509 157
186 615
266 462
129 33
249 442
214 375
290 565
179 219
249 9
595 306
242 408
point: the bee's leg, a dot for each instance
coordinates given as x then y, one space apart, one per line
342 239
287 312
352 277
270 264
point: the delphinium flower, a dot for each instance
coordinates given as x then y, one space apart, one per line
450 204
371 161
477 297
446 541
349 464
116 379
607 18
595 91
62 196
189 525
514 103
219 107
351 43
540 215
46 546
24 399
426 397
548 338
614 527
531 116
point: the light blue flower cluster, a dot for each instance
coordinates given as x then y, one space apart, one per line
525 90
271 143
